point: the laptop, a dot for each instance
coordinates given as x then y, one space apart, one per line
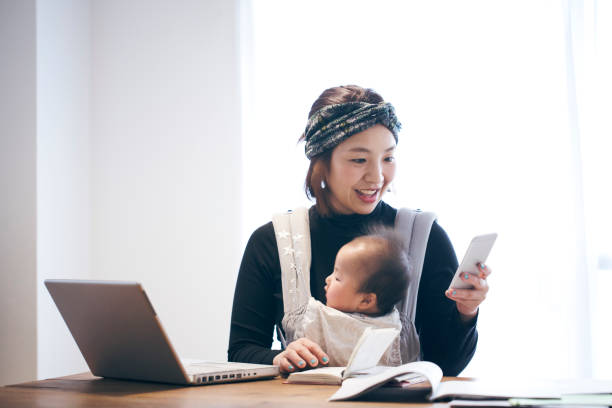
120 336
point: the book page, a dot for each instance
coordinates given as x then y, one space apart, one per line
604 400
520 388
327 375
320 375
370 347
496 389
353 387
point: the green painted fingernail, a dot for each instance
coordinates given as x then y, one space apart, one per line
312 361
325 359
290 367
454 292
301 363
466 276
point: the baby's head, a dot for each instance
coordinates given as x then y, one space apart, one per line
370 274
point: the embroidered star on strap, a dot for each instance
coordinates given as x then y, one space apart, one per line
283 234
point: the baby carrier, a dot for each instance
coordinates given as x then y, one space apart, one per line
335 331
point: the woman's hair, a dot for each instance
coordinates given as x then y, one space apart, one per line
386 268
318 171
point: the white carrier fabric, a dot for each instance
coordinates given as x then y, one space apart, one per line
337 332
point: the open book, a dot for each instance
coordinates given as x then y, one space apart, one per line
362 376
368 351
464 389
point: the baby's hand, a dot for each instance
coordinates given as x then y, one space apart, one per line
300 354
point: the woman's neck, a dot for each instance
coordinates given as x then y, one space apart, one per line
350 221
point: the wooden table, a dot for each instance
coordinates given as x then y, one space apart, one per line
85 390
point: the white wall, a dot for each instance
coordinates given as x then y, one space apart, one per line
17 191
166 160
63 173
135 108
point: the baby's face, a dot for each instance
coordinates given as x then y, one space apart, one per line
341 287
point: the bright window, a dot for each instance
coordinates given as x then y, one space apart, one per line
491 142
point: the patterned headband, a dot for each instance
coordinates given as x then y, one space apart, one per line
332 124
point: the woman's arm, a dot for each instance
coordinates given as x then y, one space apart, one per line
257 299
445 338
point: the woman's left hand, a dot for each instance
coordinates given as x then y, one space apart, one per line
468 300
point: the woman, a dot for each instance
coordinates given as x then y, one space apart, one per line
350 140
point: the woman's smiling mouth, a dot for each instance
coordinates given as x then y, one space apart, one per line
368 195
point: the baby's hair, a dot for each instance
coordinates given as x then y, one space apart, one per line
387 268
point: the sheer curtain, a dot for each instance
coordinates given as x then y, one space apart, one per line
489 98
590 40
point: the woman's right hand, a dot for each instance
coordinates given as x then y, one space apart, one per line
300 354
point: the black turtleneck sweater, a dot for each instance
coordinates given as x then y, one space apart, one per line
258 298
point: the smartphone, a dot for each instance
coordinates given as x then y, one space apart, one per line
477 253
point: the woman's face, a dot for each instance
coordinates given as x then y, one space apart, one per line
361 169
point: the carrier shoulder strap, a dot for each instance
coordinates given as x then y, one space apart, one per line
292 230
414 225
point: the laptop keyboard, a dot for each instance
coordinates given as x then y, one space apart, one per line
193 367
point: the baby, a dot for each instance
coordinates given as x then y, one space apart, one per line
370 274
